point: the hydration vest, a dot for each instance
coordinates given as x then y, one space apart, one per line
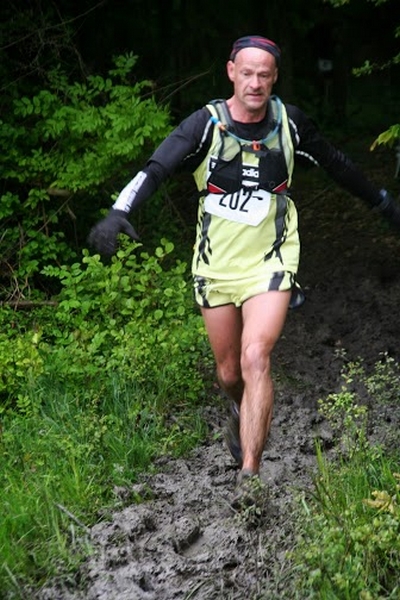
235 163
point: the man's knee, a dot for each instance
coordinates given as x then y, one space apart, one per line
229 376
256 357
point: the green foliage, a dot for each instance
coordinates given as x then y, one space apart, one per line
125 317
92 391
63 150
121 318
131 319
350 544
344 412
383 383
61 469
349 541
21 365
388 137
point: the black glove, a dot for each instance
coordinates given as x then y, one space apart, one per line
389 208
103 236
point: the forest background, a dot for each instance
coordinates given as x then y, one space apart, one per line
77 121
89 89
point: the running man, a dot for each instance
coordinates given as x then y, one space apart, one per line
242 152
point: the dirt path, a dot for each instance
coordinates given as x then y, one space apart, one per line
185 541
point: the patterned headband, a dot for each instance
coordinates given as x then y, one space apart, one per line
256 41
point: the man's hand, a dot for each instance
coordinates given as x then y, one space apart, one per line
103 236
389 208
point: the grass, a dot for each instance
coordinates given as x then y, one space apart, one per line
90 394
349 523
60 464
349 545
62 459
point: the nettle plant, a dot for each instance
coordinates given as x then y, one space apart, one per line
344 410
65 151
347 410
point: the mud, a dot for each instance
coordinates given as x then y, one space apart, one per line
184 540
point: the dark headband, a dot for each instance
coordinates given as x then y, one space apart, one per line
256 41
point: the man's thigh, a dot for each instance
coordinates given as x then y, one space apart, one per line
264 317
224 329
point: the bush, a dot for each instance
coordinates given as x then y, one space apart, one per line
65 151
132 317
21 365
108 380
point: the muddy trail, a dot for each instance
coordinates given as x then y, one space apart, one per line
184 541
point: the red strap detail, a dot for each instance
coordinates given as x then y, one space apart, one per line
214 189
281 187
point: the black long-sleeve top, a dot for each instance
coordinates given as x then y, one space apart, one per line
187 146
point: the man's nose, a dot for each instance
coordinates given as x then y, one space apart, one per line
255 81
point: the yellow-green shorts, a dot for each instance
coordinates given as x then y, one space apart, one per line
210 293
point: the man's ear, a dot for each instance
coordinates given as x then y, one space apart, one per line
230 69
276 75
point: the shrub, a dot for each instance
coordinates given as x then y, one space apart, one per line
64 152
133 317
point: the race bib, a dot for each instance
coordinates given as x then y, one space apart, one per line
247 206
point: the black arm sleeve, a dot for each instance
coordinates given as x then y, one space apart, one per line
308 140
185 148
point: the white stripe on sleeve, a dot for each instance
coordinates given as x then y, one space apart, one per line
127 196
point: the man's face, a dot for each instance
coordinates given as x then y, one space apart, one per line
253 75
